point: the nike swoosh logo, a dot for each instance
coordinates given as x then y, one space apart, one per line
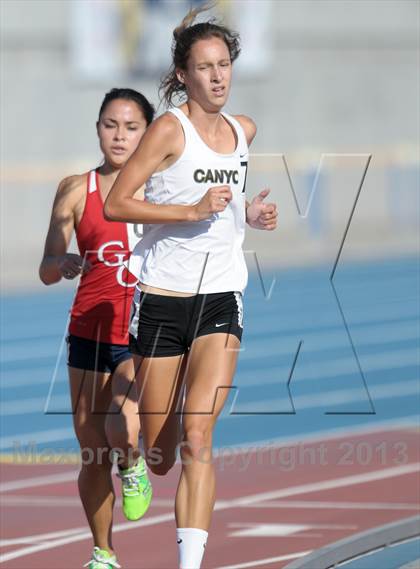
223 324
242 155
179 540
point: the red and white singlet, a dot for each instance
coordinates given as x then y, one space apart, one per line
101 308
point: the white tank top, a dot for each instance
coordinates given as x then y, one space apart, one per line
203 256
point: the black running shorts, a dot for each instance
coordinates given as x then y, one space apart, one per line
167 325
95 356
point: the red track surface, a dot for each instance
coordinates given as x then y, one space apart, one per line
335 505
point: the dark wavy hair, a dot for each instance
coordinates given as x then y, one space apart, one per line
184 37
144 105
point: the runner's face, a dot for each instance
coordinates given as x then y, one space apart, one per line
120 128
209 72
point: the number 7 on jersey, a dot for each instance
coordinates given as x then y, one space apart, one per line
245 165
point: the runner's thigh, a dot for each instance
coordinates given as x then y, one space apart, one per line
159 384
210 370
91 396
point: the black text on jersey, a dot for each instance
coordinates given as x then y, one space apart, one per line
216 176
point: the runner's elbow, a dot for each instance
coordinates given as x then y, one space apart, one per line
110 212
46 277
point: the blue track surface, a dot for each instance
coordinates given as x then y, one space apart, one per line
380 303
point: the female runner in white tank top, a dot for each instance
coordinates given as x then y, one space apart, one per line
190 266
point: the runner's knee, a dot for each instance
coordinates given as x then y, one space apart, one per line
197 442
94 446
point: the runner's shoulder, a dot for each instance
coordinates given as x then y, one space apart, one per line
165 135
167 125
72 189
249 126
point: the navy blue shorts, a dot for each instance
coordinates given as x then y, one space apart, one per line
167 325
95 356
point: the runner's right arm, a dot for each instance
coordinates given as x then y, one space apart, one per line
56 262
160 146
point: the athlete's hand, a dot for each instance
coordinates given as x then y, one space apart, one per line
260 215
214 201
71 265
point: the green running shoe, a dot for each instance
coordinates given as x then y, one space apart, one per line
102 559
136 490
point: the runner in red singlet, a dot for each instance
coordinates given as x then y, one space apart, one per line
101 372
101 308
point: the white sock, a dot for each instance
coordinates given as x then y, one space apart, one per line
191 545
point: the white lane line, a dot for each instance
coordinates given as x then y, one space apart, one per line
266 530
357 318
388 359
278 343
226 452
253 529
70 501
63 502
42 347
327 399
310 401
410 423
38 481
84 535
266 561
320 486
34 405
370 336
43 537
312 504
40 375
227 504
38 437
327 368
337 397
